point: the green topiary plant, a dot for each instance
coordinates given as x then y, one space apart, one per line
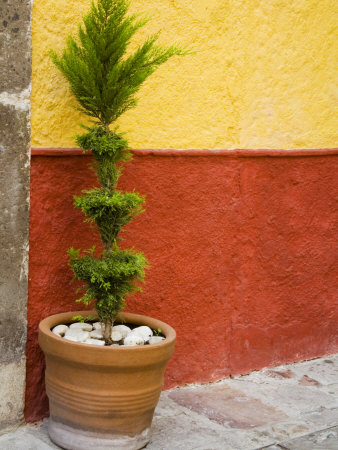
104 79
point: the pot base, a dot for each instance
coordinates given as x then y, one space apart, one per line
71 438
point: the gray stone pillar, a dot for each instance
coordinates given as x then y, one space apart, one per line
15 82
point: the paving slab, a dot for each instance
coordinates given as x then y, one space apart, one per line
28 437
227 406
324 370
321 440
290 407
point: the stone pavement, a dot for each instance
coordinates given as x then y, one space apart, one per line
292 407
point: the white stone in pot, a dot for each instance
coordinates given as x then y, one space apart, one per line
78 334
94 341
116 336
60 330
96 334
155 340
143 331
133 339
71 338
97 326
81 326
123 329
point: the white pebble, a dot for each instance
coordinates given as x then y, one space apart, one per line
96 334
156 339
60 330
78 334
116 336
97 326
81 326
133 339
71 338
94 342
144 331
123 329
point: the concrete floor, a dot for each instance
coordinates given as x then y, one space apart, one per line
292 407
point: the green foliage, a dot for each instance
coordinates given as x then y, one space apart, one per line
108 148
102 78
83 319
108 279
110 210
104 143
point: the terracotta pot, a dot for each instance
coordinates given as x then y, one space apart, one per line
103 397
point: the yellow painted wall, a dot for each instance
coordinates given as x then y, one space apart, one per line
265 75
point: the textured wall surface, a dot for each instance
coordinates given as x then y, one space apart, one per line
243 258
242 249
15 78
265 75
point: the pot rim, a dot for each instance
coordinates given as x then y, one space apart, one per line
50 322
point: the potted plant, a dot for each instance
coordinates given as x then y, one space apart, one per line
103 394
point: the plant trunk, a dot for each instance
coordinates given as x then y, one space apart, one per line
108 327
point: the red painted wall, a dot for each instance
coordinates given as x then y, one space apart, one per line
243 253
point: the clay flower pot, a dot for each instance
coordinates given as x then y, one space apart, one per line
103 397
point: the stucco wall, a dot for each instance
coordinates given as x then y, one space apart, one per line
15 78
264 77
242 245
243 257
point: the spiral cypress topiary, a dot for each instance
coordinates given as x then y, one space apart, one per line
104 78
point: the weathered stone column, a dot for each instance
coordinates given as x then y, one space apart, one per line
15 82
